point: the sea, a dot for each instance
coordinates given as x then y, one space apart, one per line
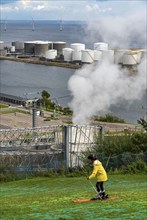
29 80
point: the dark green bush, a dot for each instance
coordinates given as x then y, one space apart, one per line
109 118
122 152
114 145
138 166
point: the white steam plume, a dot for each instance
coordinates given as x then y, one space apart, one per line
118 31
96 87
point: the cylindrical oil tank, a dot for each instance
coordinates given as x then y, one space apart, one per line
3 52
40 48
130 58
77 46
100 46
12 49
118 55
59 46
139 56
67 53
1 45
97 55
51 54
19 45
50 45
76 55
29 47
87 56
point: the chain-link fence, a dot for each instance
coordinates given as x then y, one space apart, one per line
56 147
45 148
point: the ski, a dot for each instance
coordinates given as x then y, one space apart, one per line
96 200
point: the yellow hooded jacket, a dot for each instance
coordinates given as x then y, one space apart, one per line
99 172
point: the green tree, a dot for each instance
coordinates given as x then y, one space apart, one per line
143 122
45 94
67 111
45 98
140 140
46 102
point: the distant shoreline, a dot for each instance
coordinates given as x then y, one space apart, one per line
40 62
53 63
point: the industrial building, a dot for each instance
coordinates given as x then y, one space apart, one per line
16 100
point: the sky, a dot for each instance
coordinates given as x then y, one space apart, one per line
69 9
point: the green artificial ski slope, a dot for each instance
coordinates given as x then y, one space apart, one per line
51 199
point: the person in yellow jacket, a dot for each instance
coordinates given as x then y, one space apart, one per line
101 175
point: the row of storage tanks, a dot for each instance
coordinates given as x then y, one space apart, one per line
77 52
37 48
101 51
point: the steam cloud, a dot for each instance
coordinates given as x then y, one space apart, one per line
98 86
121 32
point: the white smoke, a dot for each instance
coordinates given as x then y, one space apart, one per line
96 87
118 31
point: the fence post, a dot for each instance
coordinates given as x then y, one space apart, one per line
102 132
66 146
34 114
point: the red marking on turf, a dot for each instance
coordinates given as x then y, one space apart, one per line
89 200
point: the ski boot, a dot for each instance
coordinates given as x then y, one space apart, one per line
97 197
104 196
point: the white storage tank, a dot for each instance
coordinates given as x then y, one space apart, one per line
3 52
100 46
97 55
40 48
12 49
76 55
1 45
130 58
143 53
51 54
87 56
139 53
67 53
77 46
118 55
59 45
19 45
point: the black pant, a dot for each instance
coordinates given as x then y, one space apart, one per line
100 187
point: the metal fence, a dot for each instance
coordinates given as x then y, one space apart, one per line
44 148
